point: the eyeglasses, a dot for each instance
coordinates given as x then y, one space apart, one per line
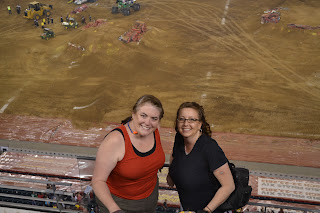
190 120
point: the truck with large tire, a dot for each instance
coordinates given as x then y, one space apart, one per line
35 10
124 6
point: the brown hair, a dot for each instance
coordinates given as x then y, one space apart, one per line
205 127
146 99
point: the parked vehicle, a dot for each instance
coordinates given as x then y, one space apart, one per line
35 10
70 24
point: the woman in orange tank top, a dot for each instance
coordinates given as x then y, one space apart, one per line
125 175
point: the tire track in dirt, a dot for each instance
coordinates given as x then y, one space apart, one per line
249 49
12 29
240 30
266 54
275 60
248 46
7 27
196 27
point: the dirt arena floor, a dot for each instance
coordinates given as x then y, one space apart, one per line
251 78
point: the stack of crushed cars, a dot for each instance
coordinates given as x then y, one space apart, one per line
271 16
135 34
97 23
304 27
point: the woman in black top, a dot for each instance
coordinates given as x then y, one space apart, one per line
198 166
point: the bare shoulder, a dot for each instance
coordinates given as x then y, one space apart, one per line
113 146
110 152
113 138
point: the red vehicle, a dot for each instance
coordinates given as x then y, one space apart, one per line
135 34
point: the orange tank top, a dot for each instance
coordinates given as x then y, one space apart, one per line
135 177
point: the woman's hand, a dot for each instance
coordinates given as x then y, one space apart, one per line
170 181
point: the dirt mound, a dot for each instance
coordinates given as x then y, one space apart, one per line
250 78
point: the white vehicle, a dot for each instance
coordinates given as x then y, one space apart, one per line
71 24
83 1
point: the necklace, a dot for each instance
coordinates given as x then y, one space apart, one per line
131 130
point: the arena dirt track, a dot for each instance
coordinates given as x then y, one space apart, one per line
250 78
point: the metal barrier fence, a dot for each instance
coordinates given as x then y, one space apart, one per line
314 207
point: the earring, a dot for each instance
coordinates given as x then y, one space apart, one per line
200 130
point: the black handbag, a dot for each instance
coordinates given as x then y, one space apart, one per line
242 193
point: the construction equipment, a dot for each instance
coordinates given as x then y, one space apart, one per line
135 34
35 10
70 24
47 33
124 6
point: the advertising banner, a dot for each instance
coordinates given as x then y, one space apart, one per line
290 189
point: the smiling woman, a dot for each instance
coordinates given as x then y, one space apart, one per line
125 175
197 162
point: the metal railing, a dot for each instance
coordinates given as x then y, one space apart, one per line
251 203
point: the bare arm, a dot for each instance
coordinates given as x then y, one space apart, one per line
110 152
224 176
